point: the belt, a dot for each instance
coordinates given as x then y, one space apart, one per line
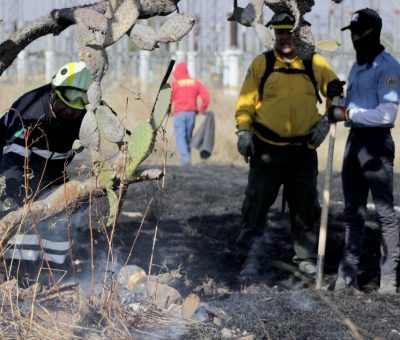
267 133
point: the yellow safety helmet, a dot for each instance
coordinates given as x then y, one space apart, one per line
71 83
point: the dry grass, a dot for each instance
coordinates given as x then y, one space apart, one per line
24 315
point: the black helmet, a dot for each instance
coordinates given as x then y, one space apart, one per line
281 20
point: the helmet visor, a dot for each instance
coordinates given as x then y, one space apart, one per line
72 97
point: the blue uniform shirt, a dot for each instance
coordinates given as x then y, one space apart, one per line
370 85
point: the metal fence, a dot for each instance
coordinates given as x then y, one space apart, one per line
206 48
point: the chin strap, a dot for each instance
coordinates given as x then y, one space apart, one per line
53 97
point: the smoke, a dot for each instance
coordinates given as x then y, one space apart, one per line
2 186
302 302
107 264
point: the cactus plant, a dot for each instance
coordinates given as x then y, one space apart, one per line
96 31
122 15
174 29
111 127
114 206
89 133
102 170
161 107
252 15
144 37
140 144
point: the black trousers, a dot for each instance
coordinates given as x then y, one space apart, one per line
295 167
368 167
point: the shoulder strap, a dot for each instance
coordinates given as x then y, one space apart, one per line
270 63
310 73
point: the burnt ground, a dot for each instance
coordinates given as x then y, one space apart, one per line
199 218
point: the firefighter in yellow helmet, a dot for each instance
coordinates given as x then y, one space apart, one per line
36 139
70 85
279 128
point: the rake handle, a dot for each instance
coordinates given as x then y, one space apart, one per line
323 228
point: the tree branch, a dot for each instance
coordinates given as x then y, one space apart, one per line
60 19
69 196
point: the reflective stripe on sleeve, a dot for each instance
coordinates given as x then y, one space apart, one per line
23 151
33 255
51 154
59 259
21 254
30 239
18 149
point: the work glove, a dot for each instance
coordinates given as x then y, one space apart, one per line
77 146
337 113
245 144
319 131
335 88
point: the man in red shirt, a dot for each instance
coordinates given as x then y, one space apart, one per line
185 92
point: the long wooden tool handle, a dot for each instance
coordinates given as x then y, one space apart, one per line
323 228
164 81
167 73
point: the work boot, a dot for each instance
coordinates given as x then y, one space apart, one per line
252 264
387 286
308 268
250 269
347 282
242 246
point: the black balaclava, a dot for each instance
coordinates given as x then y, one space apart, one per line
368 47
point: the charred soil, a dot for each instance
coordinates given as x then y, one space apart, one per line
198 219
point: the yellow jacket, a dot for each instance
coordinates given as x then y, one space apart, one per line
289 104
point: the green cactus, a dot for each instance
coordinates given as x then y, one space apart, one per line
161 107
104 174
102 170
140 144
114 207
